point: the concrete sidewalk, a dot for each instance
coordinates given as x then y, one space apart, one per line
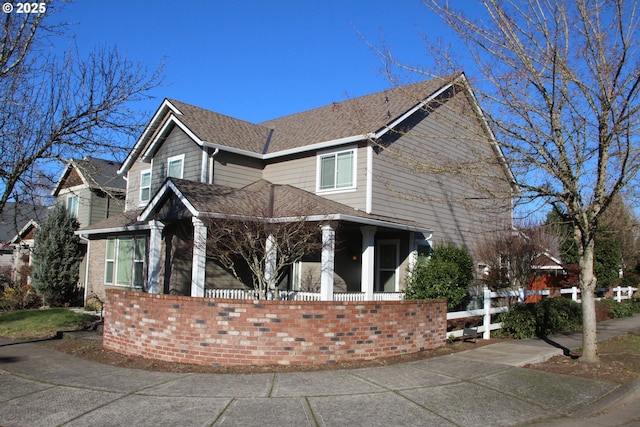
483 386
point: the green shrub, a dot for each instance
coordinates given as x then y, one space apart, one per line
617 310
635 303
447 274
557 315
547 317
519 321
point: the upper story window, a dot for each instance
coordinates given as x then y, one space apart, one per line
175 166
145 186
337 170
72 205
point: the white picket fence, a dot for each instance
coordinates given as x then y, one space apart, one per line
488 309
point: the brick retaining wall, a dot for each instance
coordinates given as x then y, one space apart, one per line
240 332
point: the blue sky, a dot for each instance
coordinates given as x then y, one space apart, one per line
257 60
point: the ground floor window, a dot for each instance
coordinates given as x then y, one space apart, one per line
124 261
388 261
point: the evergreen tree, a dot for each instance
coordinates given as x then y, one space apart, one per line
56 258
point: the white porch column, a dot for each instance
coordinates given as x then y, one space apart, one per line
368 260
328 263
199 257
155 249
270 262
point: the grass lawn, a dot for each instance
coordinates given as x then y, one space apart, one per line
34 324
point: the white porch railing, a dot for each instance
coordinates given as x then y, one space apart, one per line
229 293
302 296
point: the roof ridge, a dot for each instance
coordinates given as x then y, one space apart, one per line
445 80
173 101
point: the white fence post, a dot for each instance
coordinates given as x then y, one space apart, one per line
486 321
618 291
521 295
574 293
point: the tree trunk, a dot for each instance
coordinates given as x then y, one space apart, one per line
587 287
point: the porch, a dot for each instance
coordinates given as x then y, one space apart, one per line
362 257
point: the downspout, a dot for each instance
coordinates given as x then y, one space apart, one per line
86 267
126 179
211 163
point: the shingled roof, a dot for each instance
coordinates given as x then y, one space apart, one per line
353 119
262 200
124 221
94 172
220 129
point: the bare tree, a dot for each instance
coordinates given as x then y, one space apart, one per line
56 108
267 246
265 239
512 255
560 82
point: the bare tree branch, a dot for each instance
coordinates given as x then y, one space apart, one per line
559 82
56 108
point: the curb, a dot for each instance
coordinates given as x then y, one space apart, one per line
618 397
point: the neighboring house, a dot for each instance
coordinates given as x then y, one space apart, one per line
23 243
17 222
92 191
548 274
346 164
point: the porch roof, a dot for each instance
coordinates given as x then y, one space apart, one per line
262 200
126 221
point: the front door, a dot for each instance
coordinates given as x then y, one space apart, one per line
387 274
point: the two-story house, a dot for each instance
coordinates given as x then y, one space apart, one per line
92 191
395 171
17 224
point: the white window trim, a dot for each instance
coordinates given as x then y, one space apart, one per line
173 158
396 243
112 260
335 190
140 201
72 196
134 260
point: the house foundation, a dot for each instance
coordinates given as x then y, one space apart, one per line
238 332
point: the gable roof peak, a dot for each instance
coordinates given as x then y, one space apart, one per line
337 123
94 172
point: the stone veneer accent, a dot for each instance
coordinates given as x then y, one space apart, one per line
242 332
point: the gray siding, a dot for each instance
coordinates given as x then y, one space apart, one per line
439 174
233 170
104 206
85 199
176 143
301 172
133 185
98 210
